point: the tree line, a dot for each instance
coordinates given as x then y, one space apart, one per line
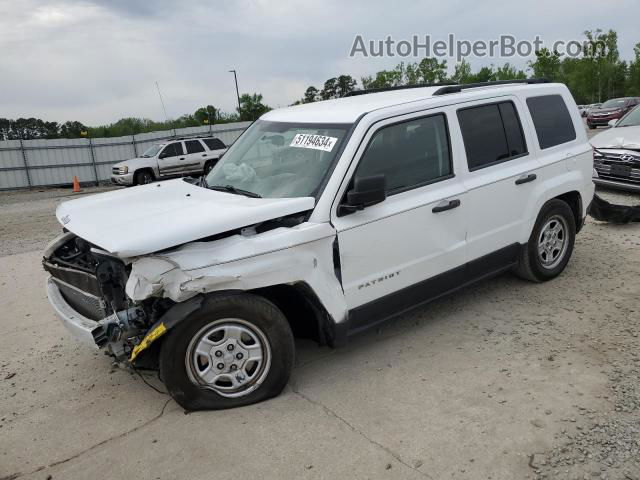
595 76
251 107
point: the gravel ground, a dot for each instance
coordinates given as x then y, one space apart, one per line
504 380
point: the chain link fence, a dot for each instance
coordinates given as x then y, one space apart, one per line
38 163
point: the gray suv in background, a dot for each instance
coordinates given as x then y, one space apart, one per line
173 158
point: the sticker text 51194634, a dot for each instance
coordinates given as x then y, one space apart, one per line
316 142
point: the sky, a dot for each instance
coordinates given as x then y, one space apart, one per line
97 61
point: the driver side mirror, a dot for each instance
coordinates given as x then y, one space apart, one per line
612 123
366 191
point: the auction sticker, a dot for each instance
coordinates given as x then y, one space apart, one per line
316 142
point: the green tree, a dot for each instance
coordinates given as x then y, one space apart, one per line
509 72
429 70
251 107
330 89
310 95
344 85
206 115
546 64
462 72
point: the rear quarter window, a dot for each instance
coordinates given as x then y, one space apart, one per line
552 120
214 143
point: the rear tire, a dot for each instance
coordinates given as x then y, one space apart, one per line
550 245
143 177
236 350
592 127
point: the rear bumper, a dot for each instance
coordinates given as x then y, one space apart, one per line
85 330
617 185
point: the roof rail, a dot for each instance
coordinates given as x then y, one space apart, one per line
355 93
194 136
458 88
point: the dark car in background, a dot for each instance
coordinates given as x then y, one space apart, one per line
613 109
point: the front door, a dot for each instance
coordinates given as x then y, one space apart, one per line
172 160
389 250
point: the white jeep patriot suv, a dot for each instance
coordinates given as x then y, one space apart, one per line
322 219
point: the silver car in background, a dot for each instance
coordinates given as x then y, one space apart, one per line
173 158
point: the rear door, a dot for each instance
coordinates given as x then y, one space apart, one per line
171 161
500 179
197 156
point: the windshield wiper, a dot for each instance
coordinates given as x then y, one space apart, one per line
237 191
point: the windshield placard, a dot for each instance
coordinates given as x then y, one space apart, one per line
315 142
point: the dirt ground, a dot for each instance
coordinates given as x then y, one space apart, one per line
504 380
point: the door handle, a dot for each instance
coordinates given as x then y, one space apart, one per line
204 154
529 178
182 158
444 206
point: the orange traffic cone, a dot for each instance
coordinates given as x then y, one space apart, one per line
76 184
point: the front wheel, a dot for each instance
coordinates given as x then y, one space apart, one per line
143 177
551 243
236 350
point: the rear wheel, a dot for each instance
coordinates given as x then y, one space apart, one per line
236 350
551 243
144 177
591 127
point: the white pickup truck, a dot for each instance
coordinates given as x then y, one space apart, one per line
174 158
323 220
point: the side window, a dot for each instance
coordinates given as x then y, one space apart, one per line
172 150
214 143
409 154
552 120
193 146
492 134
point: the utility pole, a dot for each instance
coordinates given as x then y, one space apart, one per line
164 109
235 76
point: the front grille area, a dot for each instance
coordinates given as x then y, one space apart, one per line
84 303
618 166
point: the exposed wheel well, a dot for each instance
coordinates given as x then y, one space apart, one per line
305 313
574 200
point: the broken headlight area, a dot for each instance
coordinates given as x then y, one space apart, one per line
92 284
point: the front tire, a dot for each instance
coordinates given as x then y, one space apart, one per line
550 245
236 350
144 177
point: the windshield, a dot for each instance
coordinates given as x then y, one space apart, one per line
279 160
613 103
631 119
152 151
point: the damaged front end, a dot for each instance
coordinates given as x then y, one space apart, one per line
87 290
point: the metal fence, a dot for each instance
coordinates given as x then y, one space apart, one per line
36 163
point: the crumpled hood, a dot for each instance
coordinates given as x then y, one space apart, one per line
618 137
145 219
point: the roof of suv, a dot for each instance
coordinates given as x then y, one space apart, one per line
349 109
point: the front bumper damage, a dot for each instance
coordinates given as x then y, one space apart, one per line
85 330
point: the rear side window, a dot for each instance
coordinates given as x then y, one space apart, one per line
193 146
552 120
214 143
492 134
409 154
172 150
